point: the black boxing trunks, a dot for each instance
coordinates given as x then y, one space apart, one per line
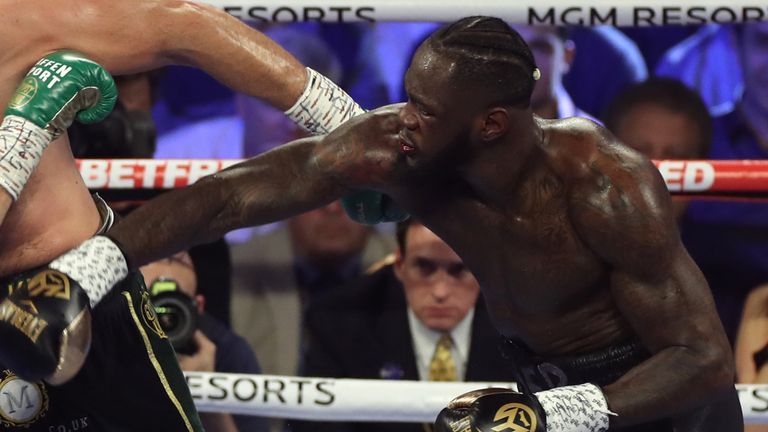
131 380
608 365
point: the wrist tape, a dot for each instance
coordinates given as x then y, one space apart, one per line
97 265
323 106
578 408
21 146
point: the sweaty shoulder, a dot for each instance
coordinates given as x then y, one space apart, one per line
574 146
614 192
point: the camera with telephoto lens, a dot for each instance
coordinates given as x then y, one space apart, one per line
176 313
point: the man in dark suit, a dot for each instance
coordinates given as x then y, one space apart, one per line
415 318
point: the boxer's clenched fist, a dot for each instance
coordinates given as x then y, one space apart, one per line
59 87
580 408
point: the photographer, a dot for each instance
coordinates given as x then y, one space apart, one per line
202 343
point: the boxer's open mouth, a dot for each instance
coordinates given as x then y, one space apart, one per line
406 147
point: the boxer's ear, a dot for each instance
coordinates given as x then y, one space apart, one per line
495 123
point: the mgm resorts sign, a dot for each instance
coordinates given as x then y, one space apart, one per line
554 12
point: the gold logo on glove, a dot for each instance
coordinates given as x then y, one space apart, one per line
29 324
520 418
24 93
50 283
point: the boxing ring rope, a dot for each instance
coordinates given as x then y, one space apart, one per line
696 178
366 400
336 399
553 12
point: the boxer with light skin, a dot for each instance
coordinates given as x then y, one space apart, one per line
124 37
569 233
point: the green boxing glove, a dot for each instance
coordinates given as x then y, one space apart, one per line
370 208
59 87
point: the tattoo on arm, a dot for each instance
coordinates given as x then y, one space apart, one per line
624 215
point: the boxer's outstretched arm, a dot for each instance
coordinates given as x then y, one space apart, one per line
623 212
270 187
136 35
286 181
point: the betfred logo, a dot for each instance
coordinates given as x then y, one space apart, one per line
687 176
147 173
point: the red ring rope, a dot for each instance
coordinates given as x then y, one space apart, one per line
724 178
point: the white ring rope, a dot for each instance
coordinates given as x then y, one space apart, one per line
325 398
553 12
365 400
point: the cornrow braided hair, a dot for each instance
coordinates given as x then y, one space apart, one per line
489 53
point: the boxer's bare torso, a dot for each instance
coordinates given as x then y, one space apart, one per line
543 277
55 211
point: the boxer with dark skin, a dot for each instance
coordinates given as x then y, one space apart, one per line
570 233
